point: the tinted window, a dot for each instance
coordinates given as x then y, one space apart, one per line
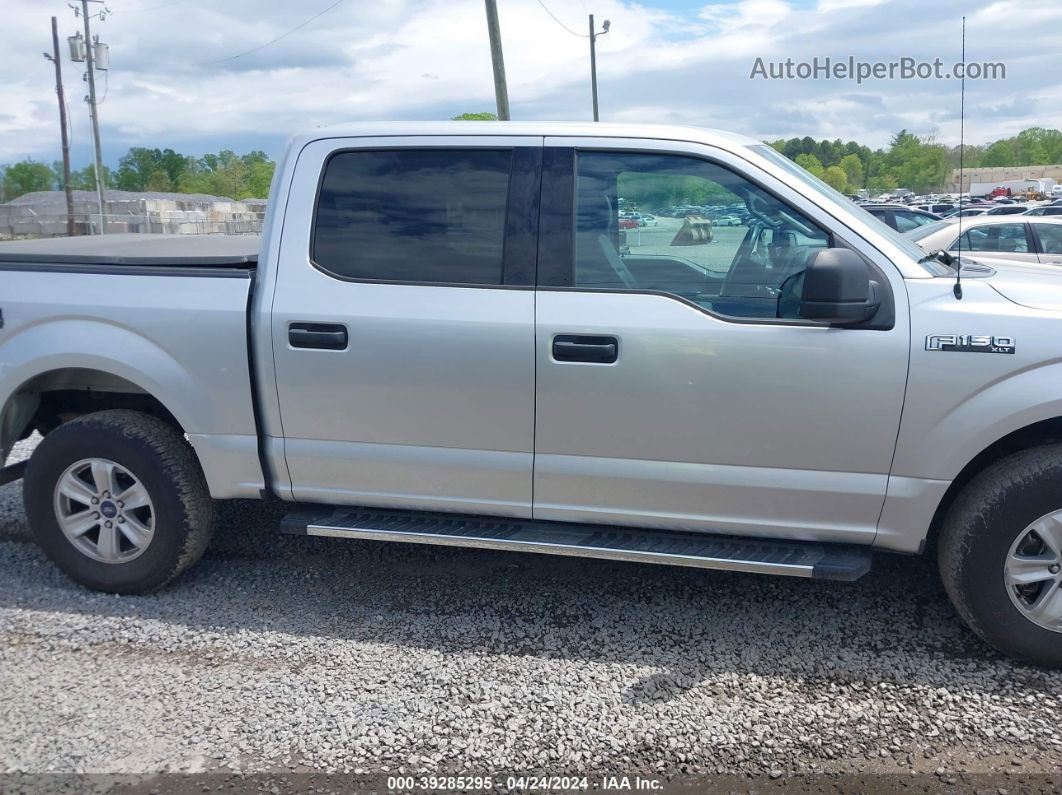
906 221
719 240
996 237
413 216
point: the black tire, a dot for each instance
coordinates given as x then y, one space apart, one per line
976 537
166 466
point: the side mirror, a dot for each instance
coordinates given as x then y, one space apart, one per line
838 289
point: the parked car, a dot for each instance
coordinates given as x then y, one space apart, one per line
1008 209
968 211
727 220
938 208
899 216
496 373
1049 209
991 238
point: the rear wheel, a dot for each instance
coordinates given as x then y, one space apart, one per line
118 501
1000 555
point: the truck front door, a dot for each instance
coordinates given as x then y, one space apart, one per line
403 323
676 385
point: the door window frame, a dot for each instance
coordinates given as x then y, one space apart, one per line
519 230
556 250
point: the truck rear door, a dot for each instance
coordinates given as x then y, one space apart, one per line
403 323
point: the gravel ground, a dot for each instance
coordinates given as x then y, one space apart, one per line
278 653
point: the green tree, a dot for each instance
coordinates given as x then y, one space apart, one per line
484 115
812 164
854 170
85 178
143 169
883 183
919 164
26 177
228 174
836 178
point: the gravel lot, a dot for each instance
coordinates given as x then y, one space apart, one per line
279 653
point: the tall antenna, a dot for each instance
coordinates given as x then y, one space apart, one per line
957 289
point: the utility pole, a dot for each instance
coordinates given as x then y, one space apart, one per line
593 58
55 59
501 91
94 112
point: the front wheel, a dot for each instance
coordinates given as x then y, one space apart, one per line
118 501
1000 555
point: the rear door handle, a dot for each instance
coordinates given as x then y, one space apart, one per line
325 336
579 348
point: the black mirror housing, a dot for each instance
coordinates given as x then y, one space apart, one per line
838 289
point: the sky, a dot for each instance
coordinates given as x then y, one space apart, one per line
193 75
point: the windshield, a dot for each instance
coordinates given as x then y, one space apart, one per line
925 230
840 200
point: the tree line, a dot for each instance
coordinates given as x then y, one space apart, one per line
918 163
143 169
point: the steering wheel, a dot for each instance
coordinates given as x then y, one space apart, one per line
790 292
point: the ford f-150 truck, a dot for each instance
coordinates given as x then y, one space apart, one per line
444 337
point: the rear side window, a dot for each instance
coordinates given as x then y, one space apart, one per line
906 221
1050 237
424 216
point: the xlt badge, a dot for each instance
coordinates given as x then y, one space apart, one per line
969 343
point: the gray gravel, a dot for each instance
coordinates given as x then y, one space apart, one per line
318 654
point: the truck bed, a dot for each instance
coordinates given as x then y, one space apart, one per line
162 315
220 251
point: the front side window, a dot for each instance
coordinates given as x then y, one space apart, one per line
717 240
407 215
995 237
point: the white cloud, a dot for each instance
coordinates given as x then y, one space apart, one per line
429 59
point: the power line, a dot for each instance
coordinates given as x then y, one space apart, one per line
554 17
300 26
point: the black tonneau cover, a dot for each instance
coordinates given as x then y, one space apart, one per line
218 251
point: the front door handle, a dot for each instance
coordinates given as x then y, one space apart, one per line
324 336
579 348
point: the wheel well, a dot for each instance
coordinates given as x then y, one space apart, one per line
1035 435
48 400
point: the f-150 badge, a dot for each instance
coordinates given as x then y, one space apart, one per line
969 343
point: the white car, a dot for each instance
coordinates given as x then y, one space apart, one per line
992 237
727 220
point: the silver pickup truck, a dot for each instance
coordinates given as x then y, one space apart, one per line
448 334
